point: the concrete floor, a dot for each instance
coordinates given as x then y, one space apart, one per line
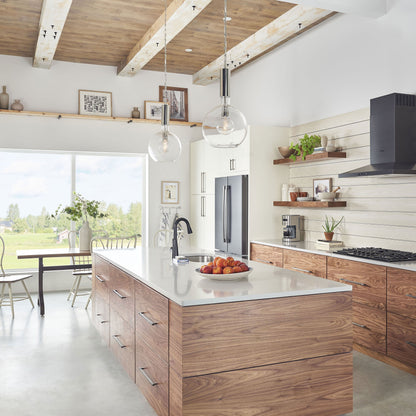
57 366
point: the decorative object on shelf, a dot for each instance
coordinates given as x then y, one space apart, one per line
153 110
330 147
170 192
224 126
305 198
17 106
321 185
178 102
82 208
324 141
4 99
285 188
96 103
319 149
286 151
294 196
329 226
305 146
328 196
164 146
135 113
328 245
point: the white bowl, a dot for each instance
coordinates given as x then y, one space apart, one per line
326 196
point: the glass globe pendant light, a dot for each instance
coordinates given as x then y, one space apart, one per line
224 125
164 146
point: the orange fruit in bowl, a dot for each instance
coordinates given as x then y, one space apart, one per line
237 269
210 263
216 259
221 263
217 270
227 270
244 267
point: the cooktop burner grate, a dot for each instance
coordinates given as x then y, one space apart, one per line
380 254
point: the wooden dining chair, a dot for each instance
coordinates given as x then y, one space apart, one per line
9 280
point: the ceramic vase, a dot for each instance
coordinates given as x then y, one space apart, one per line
17 106
135 113
329 236
4 99
85 236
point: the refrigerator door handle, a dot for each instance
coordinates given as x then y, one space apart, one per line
228 214
224 210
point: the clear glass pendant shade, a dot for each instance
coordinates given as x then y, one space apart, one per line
164 146
224 126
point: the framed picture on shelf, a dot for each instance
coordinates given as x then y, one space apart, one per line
170 192
321 185
97 103
153 110
178 102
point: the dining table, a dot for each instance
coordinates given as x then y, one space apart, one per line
42 254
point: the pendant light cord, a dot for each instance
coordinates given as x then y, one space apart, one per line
166 76
225 34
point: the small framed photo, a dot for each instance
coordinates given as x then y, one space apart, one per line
170 192
153 110
96 103
321 185
178 102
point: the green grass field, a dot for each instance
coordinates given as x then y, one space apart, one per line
26 241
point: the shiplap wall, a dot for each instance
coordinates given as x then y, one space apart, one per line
380 212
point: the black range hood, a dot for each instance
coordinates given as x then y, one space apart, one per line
392 137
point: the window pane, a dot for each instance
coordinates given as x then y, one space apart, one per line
33 185
117 181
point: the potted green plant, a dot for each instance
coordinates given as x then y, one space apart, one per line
305 146
329 227
82 209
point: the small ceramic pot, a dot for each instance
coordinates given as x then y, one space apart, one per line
135 113
294 196
17 106
4 99
329 236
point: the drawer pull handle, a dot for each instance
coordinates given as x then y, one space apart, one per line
98 314
119 294
352 281
264 261
142 314
412 344
151 382
361 326
98 277
119 342
411 296
301 270
103 322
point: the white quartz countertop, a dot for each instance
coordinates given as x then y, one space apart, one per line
309 247
181 284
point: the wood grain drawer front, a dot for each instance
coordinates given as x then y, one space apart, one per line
101 317
266 254
121 289
122 342
401 292
368 281
305 262
152 377
152 314
101 277
369 327
221 337
318 386
401 338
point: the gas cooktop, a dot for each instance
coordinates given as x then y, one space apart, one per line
380 254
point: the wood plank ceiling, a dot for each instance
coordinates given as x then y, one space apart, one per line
104 32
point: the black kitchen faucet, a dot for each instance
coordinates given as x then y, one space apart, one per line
175 234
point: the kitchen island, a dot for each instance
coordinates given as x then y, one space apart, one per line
276 343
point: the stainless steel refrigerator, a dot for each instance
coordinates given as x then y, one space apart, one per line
231 214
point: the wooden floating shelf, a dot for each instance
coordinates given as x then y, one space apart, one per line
102 118
311 204
312 157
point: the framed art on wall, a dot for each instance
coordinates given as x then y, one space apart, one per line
153 110
178 102
170 192
321 185
96 103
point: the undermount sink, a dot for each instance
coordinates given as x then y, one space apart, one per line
200 258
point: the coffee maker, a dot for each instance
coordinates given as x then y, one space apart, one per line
291 228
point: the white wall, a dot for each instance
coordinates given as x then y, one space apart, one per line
331 69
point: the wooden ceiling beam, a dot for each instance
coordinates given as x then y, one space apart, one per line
269 37
51 24
178 15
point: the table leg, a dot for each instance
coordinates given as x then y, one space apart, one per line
41 301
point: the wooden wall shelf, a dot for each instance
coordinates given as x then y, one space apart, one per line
310 204
87 117
312 157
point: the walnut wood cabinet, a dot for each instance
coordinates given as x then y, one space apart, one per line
300 261
266 254
239 356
